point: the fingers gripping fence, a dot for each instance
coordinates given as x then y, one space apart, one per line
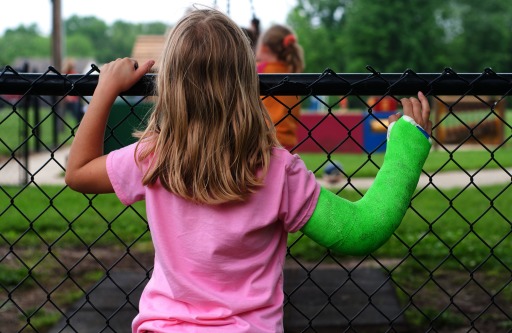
77 263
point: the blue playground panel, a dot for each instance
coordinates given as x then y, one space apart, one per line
374 133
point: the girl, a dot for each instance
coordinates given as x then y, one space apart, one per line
278 51
220 195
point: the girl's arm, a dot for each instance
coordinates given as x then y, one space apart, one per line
86 168
359 228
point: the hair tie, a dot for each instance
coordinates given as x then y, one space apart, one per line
289 40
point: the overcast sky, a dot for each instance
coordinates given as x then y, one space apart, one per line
16 12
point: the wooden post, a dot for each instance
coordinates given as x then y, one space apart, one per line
57 34
57 63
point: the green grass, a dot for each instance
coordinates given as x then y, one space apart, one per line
43 319
468 224
51 215
442 226
10 277
14 123
362 165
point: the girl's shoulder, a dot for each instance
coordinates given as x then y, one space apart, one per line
282 158
281 154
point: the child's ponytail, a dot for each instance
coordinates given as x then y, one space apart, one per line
292 53
284 44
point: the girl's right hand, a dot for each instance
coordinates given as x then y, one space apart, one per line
418 110
121 74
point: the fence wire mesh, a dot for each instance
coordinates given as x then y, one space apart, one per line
77 263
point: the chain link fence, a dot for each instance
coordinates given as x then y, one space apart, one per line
77 263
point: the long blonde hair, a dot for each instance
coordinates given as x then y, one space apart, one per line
282 41
209 137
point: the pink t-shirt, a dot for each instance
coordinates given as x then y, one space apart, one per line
218 268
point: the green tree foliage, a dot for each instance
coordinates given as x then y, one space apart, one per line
110 42
83 37
78 46
391 36
344 35
479 34
89 28
123 35
318 24
24 41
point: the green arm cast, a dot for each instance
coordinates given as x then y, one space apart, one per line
359 228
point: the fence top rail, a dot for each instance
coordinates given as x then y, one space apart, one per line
327 83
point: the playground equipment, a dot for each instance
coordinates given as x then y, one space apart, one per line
347 131
469 120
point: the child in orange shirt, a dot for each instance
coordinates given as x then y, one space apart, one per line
278 51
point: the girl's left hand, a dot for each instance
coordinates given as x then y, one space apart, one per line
418 109
121 74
